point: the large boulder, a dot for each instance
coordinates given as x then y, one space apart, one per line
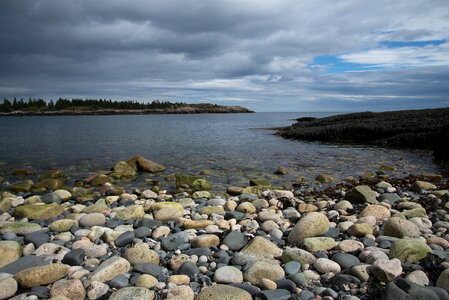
311 225
145 165
122 169
409 250
399 227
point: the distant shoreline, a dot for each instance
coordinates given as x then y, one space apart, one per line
180 110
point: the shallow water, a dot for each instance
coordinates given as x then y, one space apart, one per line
234 146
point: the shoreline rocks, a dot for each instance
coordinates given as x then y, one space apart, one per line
334 240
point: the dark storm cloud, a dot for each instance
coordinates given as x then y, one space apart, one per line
255 53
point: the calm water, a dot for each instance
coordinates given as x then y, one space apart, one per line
233 146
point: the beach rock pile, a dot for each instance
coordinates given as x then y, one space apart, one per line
355 239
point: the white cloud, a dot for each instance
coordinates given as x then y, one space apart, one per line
225 50
431 55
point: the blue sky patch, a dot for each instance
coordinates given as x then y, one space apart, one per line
398 44
336 65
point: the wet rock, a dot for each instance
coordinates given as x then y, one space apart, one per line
22 187
145 165
122 169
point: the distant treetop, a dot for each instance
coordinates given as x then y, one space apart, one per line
90 105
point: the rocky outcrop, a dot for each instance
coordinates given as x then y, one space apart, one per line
426 129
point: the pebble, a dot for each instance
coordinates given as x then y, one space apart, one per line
386 270
263 269
41 275
292 267
72 289
228 274
124 239
324 265
96 290
110 268
235 240
223 292
311 242
180 293
137 293
8 287
74 257
418 277
92 219
146 281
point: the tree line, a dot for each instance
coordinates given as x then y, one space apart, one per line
88 104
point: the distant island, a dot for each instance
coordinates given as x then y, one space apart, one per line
426 129
39 107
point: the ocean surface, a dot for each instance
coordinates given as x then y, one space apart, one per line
234 147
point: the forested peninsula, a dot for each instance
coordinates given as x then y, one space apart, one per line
40 107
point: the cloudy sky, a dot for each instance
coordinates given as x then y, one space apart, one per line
280 55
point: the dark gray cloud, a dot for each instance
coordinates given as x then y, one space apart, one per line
255 53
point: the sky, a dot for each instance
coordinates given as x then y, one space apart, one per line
279 55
